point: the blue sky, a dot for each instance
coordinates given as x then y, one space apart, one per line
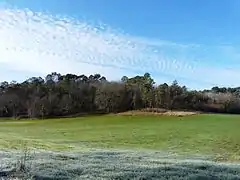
195 42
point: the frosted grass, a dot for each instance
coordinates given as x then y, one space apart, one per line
100 164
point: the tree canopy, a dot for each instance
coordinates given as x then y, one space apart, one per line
63 95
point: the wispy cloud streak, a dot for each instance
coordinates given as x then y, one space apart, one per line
41 43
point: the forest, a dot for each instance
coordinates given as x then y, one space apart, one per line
65 95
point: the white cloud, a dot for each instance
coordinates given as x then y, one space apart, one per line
41 43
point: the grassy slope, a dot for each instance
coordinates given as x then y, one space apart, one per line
204 134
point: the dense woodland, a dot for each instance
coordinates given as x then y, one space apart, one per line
70 94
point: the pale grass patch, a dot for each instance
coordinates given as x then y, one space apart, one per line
158 112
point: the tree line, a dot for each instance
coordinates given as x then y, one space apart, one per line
70 94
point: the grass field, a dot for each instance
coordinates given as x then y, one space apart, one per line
214 135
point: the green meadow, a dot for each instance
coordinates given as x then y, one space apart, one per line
206 134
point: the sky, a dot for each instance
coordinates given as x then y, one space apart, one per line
194 42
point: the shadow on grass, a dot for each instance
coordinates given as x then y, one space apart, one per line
82 114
